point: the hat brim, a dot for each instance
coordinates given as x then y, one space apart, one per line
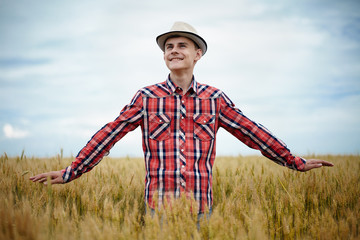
161 39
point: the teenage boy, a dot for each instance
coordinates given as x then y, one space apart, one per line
179 119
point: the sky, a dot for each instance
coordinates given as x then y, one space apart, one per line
69 67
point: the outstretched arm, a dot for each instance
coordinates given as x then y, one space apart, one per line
315 163
258 137
54 176
100 144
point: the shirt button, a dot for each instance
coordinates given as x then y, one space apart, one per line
183 166
182 150
183 101
160 120
182 117
183 184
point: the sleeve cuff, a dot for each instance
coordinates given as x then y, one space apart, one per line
66 174
300 163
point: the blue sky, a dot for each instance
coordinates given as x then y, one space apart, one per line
68 67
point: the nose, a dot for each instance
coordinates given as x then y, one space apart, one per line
174 50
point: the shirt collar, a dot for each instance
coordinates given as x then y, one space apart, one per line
172 86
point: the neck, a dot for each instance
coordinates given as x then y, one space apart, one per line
182 80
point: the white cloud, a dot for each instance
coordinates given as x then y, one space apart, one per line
278 62
11 132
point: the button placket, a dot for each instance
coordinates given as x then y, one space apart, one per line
182 139
182 179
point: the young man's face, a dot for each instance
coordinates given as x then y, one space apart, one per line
181 54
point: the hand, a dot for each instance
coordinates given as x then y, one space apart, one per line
55 177
315 163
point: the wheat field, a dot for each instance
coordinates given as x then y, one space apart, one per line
253 199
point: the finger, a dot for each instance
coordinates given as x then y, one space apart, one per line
327 164
32 178
318 161
317 165
54 181
36 178
324 163
40 178
44 179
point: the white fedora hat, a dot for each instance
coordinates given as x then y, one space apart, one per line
184 30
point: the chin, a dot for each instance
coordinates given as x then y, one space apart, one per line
175 67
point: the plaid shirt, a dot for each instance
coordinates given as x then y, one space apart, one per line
179 139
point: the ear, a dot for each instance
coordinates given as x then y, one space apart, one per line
198 54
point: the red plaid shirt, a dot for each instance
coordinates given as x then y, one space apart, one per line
179 139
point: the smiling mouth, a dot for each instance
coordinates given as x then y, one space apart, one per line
178 59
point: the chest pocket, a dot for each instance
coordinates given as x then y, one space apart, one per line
159 126
204 127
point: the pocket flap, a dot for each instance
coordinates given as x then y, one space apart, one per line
159 118
204 119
